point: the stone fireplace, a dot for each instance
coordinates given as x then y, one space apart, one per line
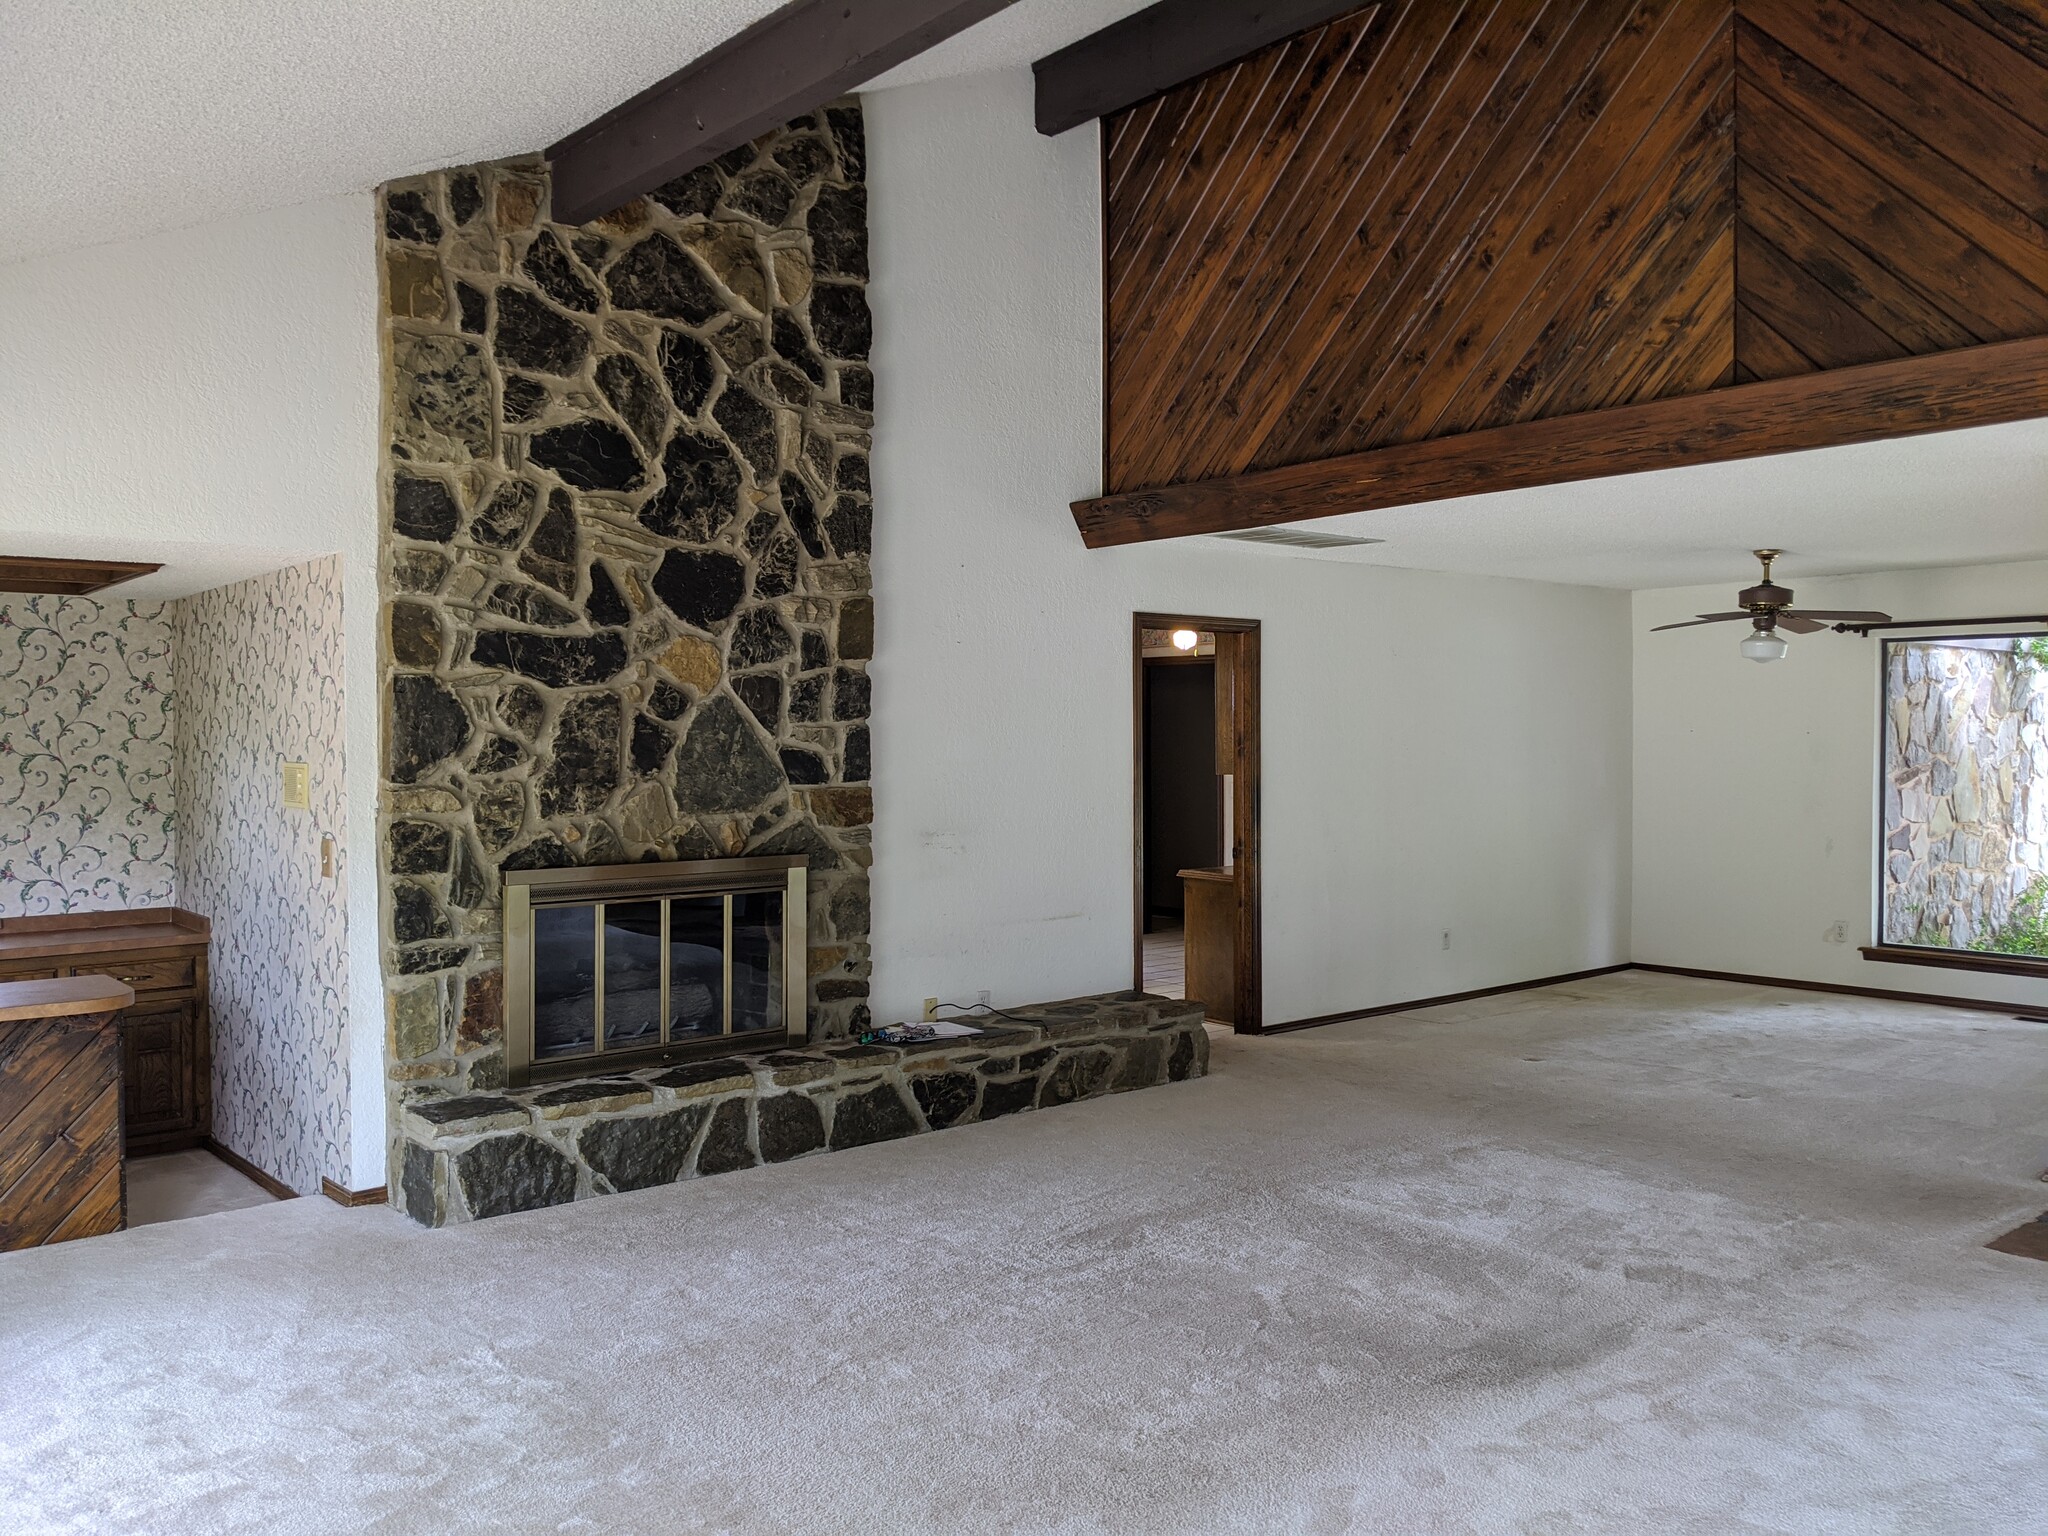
625 803
626 599
627 966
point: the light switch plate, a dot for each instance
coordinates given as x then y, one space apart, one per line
298 787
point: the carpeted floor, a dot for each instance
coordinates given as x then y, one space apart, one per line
1639 1254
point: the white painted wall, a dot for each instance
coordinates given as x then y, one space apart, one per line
1440 752
1756 786
215 390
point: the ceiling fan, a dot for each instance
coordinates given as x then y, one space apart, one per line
1768 607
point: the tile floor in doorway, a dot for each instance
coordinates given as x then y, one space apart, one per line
1165 962
174 1185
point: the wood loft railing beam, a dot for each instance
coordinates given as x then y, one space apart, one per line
1974 386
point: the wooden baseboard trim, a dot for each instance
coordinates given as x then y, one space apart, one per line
249 1170
1321 1019
1958 960
1978 1005
352 1197
1888 994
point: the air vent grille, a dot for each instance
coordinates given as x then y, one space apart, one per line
1298 538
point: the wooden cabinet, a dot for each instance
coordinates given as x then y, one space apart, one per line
166 1034
158 1099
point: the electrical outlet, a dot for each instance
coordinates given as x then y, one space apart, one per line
981 997
1839 934
1447 938
931 1010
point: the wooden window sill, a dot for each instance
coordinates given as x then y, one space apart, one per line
1957 959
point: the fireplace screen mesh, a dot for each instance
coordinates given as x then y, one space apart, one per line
608 967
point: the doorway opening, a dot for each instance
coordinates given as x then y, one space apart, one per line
1196 793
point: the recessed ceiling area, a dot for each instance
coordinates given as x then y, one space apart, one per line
1972 497
183 569
28 575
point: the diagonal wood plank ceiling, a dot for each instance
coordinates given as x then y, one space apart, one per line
1891 181
1426 219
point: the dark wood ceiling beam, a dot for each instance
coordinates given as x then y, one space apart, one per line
1163 46
789 62
1976 386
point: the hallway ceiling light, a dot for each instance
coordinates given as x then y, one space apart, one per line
1185 639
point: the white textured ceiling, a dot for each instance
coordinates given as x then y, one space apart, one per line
1023 34
1973 497
123 117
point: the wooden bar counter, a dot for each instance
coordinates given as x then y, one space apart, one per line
60 1109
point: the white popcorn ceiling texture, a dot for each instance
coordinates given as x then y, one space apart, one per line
126 118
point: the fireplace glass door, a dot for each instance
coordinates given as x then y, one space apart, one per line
636 975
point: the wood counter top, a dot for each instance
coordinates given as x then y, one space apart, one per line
91 933
62 997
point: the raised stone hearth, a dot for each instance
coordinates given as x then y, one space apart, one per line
465 1156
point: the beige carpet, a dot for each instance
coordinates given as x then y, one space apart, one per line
1633 1255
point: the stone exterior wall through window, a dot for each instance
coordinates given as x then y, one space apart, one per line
1965 791
625 558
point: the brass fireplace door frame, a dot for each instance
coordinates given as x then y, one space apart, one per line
526 889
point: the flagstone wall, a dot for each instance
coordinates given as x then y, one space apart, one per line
625 572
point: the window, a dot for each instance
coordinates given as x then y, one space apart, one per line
1964 860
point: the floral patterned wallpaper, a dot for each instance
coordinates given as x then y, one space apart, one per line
86 803
258 668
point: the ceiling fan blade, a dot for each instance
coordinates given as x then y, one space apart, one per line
1800 624
1712 618
1842 616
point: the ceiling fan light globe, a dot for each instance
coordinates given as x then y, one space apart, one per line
1764 645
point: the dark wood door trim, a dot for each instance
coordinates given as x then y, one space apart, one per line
1976 386
1249 1003
792 60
